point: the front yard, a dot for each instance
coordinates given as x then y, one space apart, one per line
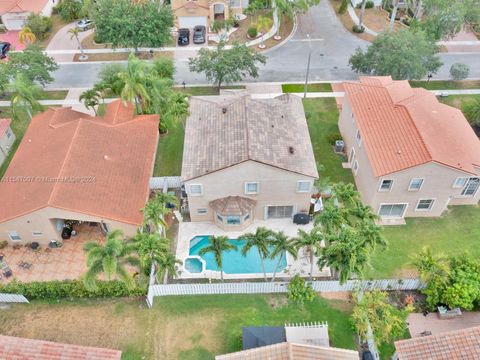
185 328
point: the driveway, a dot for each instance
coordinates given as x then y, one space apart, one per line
62 40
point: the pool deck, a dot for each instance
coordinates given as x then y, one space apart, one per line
301 266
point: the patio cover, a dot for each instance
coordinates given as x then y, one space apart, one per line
256 336
233 205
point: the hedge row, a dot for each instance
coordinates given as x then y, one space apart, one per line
50 290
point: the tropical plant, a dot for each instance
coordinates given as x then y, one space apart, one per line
472 112
133 78
371 234
167 264
331 218
91 99
264 24
346 194
151 248
39 24
24 95
157 208
26 36
393 15
109 77
217 245
262 239
164 68
362 212
430 265
69 10
362 13
74 34
282 245
299 292
284 9
343 7
312 242
109 259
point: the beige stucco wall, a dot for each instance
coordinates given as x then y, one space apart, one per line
277 187
205 8
42 220
8 17
6 141
437 184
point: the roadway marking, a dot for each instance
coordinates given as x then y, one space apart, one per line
306 40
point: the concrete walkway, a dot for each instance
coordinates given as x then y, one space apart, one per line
356 20
63 46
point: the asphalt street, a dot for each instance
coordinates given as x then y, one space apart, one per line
318 31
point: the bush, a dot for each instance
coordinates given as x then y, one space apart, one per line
164 67
69 10
252 32
40 25
370 4
459 71
300 292
331 138
343 7
358 29
52 290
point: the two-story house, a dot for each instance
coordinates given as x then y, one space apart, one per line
410 154
247 159
7 138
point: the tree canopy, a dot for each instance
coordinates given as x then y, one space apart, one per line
405 55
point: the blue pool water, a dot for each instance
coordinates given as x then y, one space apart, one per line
193 265
233 261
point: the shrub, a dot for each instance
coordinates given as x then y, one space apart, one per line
252 32
52 290
299 292
343 7
164 67
69 10
358 29
370 4
459 71
331 138
40 25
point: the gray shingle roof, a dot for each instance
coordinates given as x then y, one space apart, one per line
222 131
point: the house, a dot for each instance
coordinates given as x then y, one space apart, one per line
21 348
247 159
457 344
14 13
190 13
77 168
7 138
411 155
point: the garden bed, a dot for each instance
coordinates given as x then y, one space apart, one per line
376 19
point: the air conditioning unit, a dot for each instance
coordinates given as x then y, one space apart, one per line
339 146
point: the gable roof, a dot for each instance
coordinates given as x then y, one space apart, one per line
20 348
256 336
4 125
402 127
458 344
72 161
19 6
226 130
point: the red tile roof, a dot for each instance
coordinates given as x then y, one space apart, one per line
4 125
18 6
453 345
14 348
100 167
403 127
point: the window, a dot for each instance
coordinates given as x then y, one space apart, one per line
235 3
196 189
355 167
37 233
471 187
303 186
14 236
425 205
219 218
251 188
359 138
246 217
233 220
460 182
201 211
392 210
352 155
386 185
415 184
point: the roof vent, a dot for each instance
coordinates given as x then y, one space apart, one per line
399 151
291 150
273 126
224 110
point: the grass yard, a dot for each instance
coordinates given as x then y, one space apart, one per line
299 88
184 328
455 232
46 95
446 84
459 101
204 90
322 117
170 152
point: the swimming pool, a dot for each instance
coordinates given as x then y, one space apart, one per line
233 261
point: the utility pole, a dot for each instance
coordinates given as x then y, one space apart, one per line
308 66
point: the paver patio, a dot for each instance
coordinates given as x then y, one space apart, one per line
417 323
67 262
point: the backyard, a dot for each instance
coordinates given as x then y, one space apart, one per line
184 328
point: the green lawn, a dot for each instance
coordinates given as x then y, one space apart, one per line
204 90
455 232
46 95
300 88
170 152
459 101
322 117
184 328
446 84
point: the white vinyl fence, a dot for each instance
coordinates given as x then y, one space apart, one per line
12 298
277 287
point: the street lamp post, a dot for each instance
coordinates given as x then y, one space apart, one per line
308 65
429 76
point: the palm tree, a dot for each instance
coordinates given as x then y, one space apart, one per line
109 259
394 14
363 212
217 245
26 36
74 34
362 14
24 97
346 194
151 248
331 219
431 265
170 105
167 264
371 234
312 241
261 240
154 213
264 24
284 8
91 99
281 246
134 78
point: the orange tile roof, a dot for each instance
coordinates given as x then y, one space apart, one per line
18 6
4 125
403 127
453 345
70 160
20 348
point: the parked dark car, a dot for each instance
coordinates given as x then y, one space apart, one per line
84 24
199 32
4 47
183 37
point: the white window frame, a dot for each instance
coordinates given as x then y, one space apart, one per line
37 233
304 181
385 190
252 192
389 217
195 194
462 178
465 185
355 167
414 189
351 156
201 211
358 137
12 234
233 6
425 210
